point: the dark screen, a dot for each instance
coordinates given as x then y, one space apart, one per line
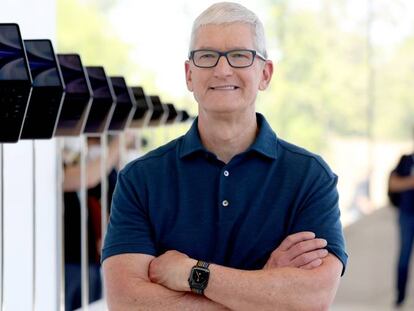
123 105
140 97
172 113
73 74
42 63
99 82
13 65
158 109
103 100
121 90
184 116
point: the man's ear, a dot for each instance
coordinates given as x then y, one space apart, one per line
188 78
267 73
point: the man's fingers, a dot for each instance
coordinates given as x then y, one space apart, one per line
295 238
307 258
312 265
305 247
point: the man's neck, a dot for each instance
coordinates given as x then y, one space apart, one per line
227 137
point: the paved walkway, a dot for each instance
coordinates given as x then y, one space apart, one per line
368 283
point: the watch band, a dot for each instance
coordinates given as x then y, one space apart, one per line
197 291
202 264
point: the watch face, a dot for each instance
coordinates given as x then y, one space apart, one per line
199 277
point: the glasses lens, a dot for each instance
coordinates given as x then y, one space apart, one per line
240 58
205 58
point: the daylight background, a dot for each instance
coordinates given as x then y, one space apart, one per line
342 85
342 88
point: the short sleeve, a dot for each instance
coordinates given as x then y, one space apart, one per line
129 229
320 214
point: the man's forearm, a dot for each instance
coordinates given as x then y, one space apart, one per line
128 288
275 289
149 296
299 275
399 183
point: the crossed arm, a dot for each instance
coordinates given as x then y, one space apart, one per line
299 275
400 183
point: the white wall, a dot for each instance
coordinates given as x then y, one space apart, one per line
36 20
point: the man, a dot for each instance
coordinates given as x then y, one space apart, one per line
402 181
226 216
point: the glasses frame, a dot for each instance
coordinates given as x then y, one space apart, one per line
220 54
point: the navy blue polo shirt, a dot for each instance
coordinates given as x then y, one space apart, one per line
182 197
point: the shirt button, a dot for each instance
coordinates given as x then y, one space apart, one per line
226 173
225 203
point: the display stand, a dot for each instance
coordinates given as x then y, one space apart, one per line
84 222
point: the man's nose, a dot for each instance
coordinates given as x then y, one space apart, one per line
223 67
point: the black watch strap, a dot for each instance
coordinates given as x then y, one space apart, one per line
202 264
197 291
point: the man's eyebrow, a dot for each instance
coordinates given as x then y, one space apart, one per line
230 49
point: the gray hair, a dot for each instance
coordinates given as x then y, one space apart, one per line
228 13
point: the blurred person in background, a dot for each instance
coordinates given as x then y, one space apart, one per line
71 187
401 181
227 216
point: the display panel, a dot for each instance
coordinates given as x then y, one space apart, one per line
144 108
172 114
78 96
13 62
183 116
125 105
42 63
99 83
159 114
48 91
103 102
73 74
15 83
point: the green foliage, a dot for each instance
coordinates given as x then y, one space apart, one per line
83 29
395 96
319 84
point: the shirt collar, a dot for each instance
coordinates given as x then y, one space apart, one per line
265 142
191 141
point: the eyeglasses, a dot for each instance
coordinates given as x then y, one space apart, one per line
235 58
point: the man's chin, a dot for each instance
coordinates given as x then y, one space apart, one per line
223 110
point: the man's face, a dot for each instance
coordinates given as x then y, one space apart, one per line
224 89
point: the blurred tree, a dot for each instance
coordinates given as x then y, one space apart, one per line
320 76
395 117
82 28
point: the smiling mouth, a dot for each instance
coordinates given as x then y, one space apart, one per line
224 87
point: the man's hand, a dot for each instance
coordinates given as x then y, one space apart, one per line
299 250
171 270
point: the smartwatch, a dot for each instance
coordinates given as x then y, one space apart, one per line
199 276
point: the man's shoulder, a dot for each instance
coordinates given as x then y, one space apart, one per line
299 156
154 157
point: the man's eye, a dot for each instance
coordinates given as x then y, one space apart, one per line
208 55
239 55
